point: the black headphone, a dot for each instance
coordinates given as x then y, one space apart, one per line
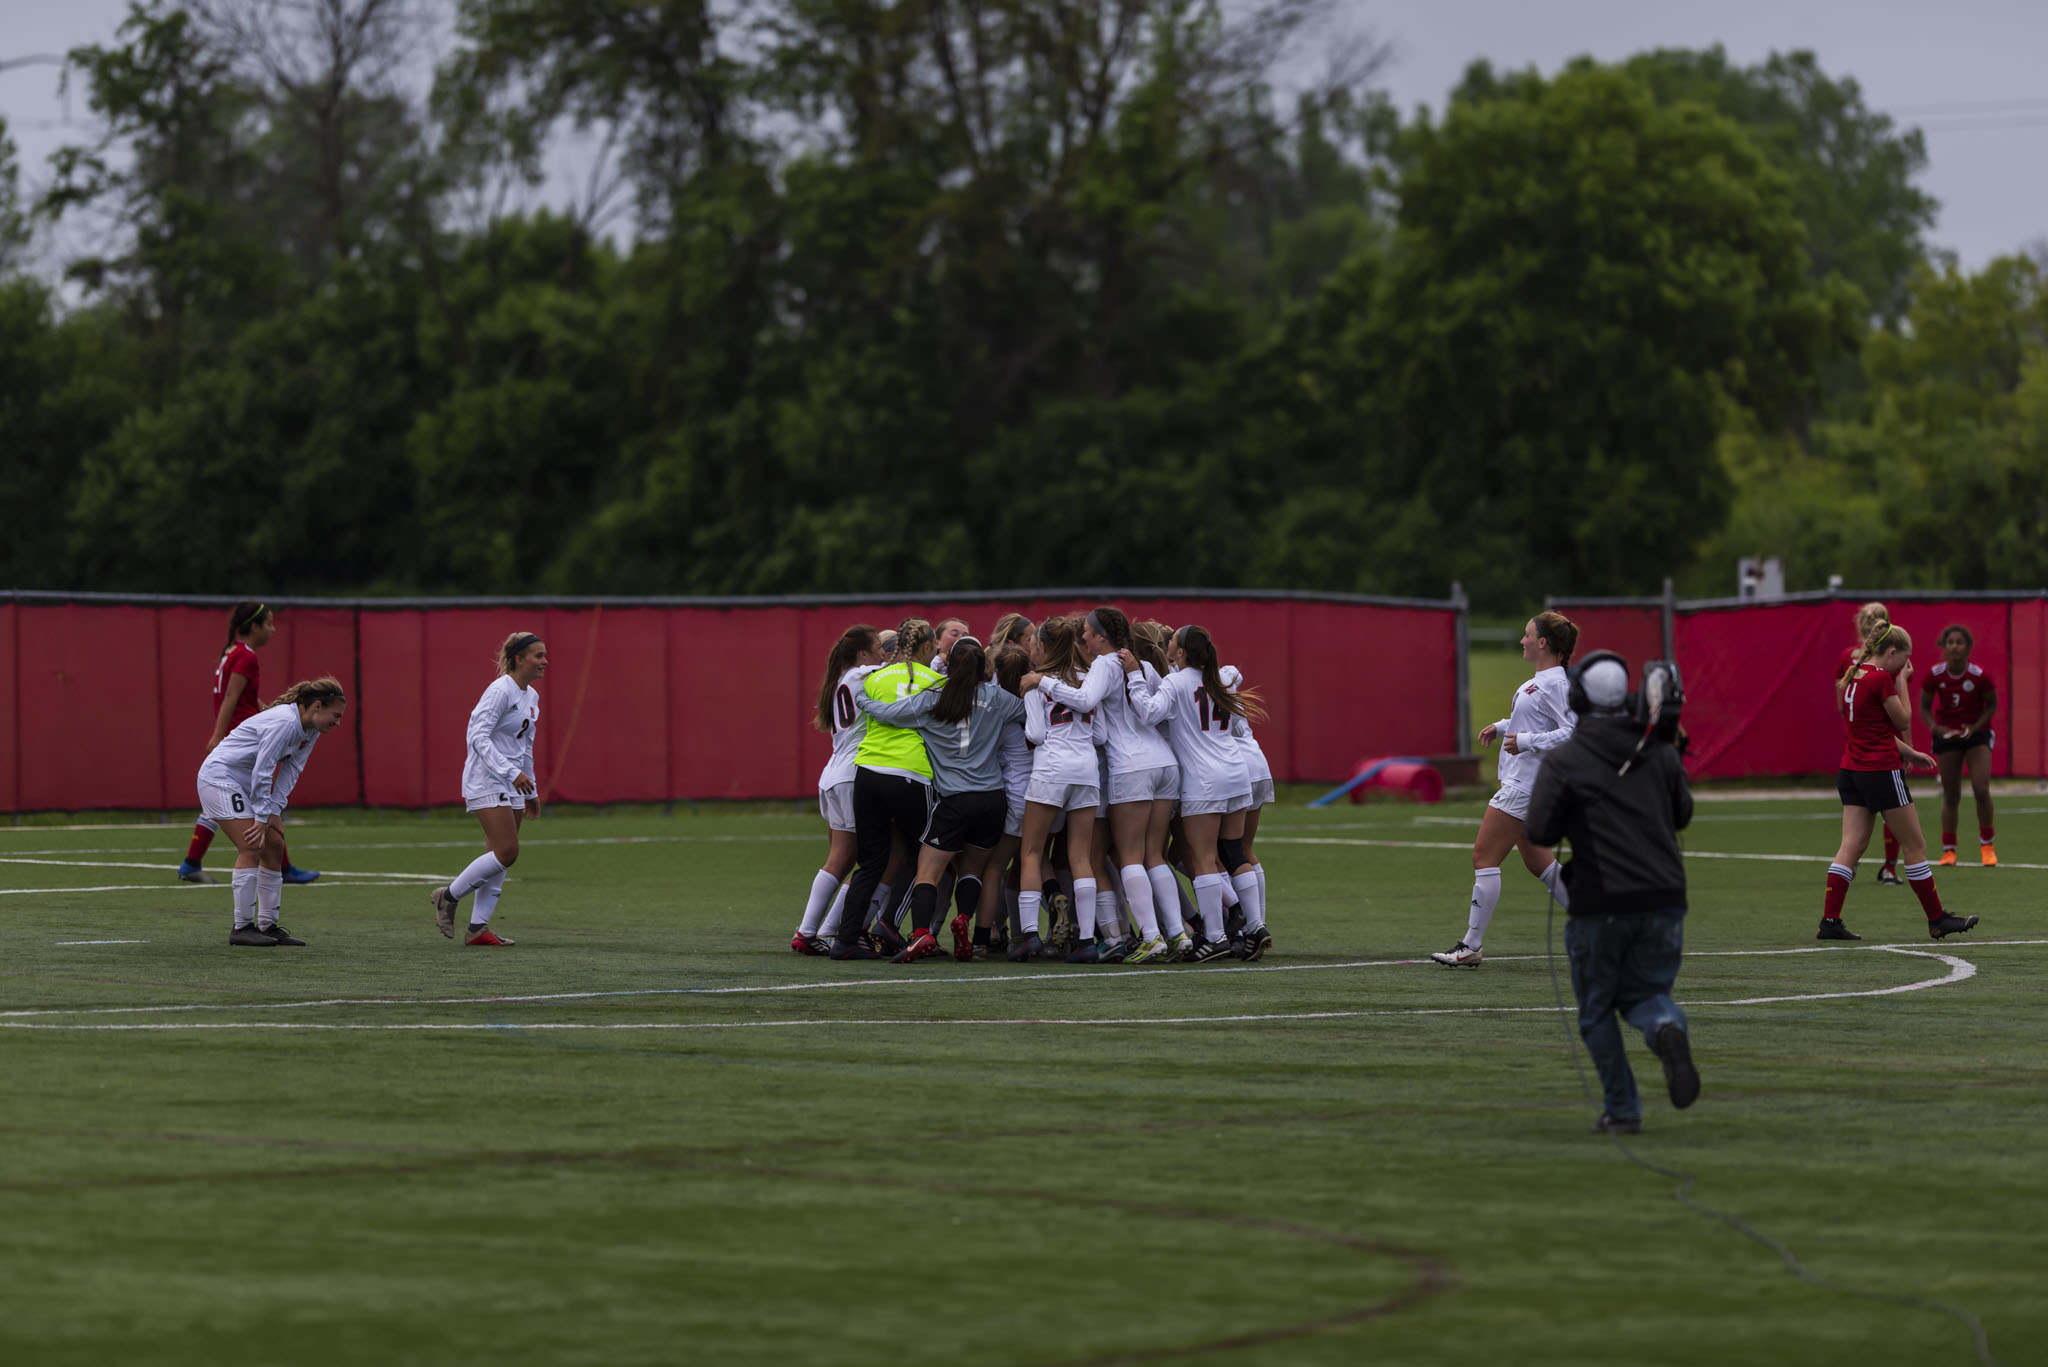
1575 694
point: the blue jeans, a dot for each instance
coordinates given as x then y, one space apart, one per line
1624 965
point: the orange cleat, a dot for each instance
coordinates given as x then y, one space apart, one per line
1947 860
1987 856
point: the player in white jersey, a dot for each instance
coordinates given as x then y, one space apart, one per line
497 784
1256 943
1064 779
854 656
245 784
1539 721
1214 782
1143 780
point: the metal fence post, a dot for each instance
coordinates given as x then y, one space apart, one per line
1463 605
1670 622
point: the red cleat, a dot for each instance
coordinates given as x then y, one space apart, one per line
921 946
963 938
486 936
808 944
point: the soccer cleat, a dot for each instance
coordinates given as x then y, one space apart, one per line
252 937
853 947
1950 924
809 944
1207 950
1674 1048
1086 952
189 872
294 874
1947 860
1987 856
921 946
1889 876
1233 921
484 935
1118 951
963 938
1153 950
276 931
1618 1124
1831 928
999 941
888 939
1025 950
444 910
1065 934
1178 949
1459 955
1256 942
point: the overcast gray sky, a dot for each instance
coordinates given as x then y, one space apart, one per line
1970 73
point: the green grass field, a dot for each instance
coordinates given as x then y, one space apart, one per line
651 1134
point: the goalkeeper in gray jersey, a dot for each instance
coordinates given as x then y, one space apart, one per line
962 725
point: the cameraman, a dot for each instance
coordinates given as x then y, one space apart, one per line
1620 799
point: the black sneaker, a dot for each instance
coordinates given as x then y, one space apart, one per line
1675 1049
888 939
252 937
1831 928
1618 1124
1025 950
1207 950
853 947
1950 924
279 935
1257 941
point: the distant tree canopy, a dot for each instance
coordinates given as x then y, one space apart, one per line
943 296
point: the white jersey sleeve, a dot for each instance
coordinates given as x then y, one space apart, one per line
1541 720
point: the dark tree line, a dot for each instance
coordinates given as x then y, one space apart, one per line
945 296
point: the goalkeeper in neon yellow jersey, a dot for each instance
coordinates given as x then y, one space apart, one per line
892 789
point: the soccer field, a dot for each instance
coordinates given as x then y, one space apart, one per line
651 1134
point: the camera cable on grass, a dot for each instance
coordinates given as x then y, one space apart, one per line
1685 1181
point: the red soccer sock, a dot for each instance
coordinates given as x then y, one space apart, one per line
201 838
1948 840
1984 835
284 851
1920 878
1838 892
1891 848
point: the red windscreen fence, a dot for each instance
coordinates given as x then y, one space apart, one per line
108 704
1759 676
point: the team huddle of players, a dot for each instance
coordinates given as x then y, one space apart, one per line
1055 778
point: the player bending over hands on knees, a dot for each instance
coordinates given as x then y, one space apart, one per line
1871 695
1539 721
245 785
497 784
1617 791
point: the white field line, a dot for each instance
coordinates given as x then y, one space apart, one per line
1959 969
367 881
101 942
1689 854
108 864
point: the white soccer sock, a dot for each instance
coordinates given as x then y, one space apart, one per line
1138 892
484 866
1027 913
1260 870
1229 892
269 896
1166 900
1553 878
1485 897
487 894
1084 908
830 928
1247 885
1209 898
244 881
1109 920
823 887
884 900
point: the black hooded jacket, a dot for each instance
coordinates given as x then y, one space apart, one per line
1623 829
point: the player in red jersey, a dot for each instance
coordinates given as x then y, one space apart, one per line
1959 703
237 696
1867 619
1871 697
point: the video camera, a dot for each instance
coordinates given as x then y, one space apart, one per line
1655 706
